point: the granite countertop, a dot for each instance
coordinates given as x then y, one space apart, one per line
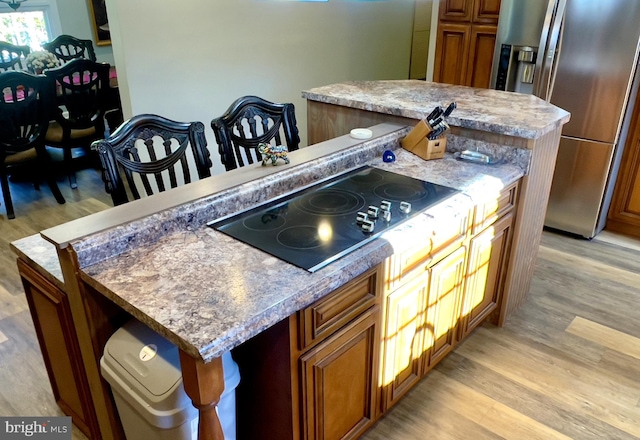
207 292
507 113
42 256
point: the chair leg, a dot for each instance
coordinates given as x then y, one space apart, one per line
4 181
53 186
69 168
45 164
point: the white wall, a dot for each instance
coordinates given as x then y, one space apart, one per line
74 20
190 59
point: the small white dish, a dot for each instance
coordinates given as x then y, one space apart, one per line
361 133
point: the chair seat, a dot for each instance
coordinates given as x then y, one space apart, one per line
54 133
23 125
20 157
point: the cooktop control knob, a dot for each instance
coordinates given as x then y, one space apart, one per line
373 212
368 226
386 215
385 205
361 217
405 207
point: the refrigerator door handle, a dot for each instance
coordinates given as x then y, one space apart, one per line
554 65
549 48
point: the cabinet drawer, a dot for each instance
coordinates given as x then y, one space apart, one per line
488 212
449 236
327 315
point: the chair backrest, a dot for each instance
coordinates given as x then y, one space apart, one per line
67 48
153 154
25 109
82 88
12 56
250 121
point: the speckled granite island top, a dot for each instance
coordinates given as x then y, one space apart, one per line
513 114
208 293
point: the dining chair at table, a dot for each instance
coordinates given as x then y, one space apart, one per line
148 154
249 121
82 88
24 119
12 56
68 47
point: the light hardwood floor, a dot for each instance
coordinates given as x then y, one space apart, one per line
566 365
24 385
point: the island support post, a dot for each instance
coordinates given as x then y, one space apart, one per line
204 384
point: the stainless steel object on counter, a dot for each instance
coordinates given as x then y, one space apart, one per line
585 62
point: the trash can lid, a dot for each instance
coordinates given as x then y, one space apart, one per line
148 359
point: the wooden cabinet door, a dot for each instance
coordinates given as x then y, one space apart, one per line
486 11
455 10
452 53
338 381
54 327
481 46
445 292
466 40
402 339
624 213
488 252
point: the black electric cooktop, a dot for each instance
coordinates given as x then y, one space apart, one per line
320 224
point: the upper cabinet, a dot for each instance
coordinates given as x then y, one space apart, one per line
475 11
466 40
486 11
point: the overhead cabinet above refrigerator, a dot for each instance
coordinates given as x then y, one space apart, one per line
580 55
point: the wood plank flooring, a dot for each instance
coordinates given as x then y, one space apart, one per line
24 385
566 365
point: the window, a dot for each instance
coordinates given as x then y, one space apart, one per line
24 29
35 22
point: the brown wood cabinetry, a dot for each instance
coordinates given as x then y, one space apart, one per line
465 42
315 375
486 11
624 213
445 292
332 369
338 368
423 289
489 250
452 53
338 381
403 353
485 273
475 11
56 333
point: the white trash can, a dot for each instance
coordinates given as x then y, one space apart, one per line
143 369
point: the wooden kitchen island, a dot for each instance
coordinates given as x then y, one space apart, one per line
323 354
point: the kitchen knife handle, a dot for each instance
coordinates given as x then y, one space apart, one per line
450 109
434 114
435 122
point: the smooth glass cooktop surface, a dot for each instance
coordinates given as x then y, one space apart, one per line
320 224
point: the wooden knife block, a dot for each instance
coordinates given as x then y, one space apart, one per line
417 143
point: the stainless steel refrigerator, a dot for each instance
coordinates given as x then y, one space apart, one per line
580 55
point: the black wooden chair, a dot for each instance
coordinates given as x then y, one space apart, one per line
12 56
149 154
82 88
25 104
249 121
67 48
